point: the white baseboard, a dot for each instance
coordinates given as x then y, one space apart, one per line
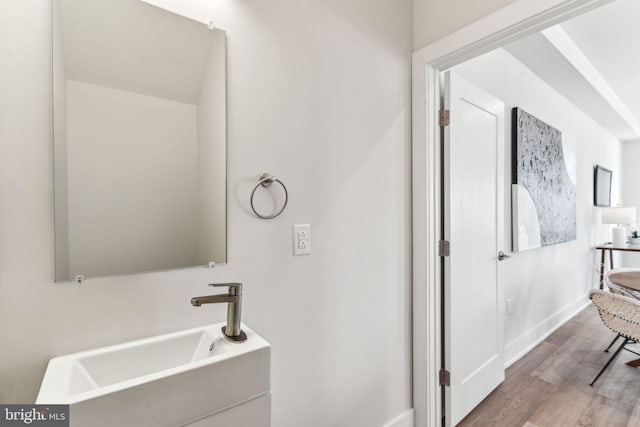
522 345
403 420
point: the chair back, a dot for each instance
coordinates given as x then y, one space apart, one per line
619 313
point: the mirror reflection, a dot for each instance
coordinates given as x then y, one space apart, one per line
139 139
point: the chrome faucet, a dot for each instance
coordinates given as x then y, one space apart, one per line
234 299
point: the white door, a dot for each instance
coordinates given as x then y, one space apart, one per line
473 224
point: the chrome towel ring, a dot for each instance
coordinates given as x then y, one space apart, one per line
266 180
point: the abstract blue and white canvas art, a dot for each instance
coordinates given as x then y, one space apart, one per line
544 183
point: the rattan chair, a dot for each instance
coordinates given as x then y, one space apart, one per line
617 289
619 313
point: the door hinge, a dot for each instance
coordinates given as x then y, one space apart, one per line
443 248
444 118
445 378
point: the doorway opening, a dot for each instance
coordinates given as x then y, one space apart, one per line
522 19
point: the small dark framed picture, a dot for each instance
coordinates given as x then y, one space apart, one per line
602 186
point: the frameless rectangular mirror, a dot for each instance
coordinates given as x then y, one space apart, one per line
139 121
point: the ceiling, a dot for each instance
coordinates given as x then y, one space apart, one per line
593 61
132 46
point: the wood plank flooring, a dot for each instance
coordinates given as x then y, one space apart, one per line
549 387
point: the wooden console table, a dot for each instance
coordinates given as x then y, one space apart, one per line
609 247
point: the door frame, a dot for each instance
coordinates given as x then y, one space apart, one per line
519 19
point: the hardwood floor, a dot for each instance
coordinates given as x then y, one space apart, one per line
549 387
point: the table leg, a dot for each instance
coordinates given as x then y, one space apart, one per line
610 259
602 269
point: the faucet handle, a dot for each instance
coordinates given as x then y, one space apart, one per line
234 288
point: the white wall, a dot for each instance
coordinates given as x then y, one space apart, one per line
631 174
147 148
212 161
435 19
630 189
318 94
548 284
61 192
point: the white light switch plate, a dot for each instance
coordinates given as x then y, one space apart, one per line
301 239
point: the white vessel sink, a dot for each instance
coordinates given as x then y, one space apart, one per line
167 380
